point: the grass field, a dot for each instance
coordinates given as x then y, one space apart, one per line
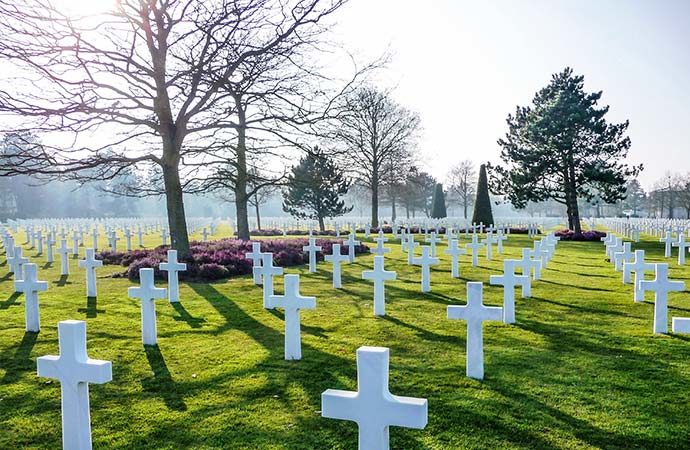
579 369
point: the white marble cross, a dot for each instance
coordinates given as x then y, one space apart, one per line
682 245
475 313
75 242
256 258
351 243
380 250
94 238
147 292
50 243
454 251
112 240
63 251
268 271
489 241
661 286
622 257
529 266
164 236
474 246
128 240
74 370
16 262
173 267
411 244
90 263
379 276
432 240
336 259
373 407
668 241
639 267
509 280
292 302
425 261
30 286
312 248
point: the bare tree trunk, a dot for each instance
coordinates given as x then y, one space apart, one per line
464 208
393 209
258 215
322 225
375 199
179 239
241 181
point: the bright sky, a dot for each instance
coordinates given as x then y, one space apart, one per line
465 65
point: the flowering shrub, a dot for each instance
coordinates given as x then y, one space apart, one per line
220 259
277 232
570 235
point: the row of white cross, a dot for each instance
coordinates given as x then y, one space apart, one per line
372 406
633 266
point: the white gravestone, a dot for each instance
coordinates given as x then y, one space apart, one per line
638 267
661 286
475 313
74 370
474 246
268 271
351 243
379 276
63 251
256 257
173 267
620 258
425 261
147 292
509 280
682 245
90 263
411 244
336 259
292 302
50 242
454 251
432 240
668 242
311 249
373 407
30 286
16 262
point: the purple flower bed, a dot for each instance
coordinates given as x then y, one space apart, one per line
570 235
220 259
277 232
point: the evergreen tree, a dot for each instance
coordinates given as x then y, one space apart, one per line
314 188
562 148
438 204
482 205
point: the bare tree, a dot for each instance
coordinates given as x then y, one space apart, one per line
375 133
462 181
143 83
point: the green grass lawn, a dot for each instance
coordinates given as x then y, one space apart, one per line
579 369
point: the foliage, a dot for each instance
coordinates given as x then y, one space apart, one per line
314 188
438 203
482 205
562 148
463 184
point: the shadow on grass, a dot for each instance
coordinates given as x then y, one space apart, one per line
162 383
62 280
184 316
426 334
316 331
6 277
47 265
20 362
91 310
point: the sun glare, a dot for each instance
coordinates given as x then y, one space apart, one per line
84 7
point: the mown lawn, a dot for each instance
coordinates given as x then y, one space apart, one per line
579 369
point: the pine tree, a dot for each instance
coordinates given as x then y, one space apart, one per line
562 148
438 204
314 188
482 205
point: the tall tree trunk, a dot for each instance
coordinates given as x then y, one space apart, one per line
322 225
464 208
258 215
179 239
394 214
574 207
375 199
241 181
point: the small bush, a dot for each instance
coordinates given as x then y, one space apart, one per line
570 235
